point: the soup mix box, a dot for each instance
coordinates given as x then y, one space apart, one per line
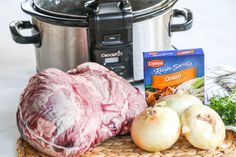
167 72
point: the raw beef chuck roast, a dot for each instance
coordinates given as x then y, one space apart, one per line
66 114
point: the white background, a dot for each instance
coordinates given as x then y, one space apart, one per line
214 30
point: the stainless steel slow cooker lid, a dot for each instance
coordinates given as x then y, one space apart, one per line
76 8
66 8
74 13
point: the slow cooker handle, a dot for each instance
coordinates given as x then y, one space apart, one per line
188 16
16 26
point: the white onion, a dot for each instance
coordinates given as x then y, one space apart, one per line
180 102
156 129
202 127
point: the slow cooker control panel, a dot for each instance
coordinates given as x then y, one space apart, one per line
118 59
111 42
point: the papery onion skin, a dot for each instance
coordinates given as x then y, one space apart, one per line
180 102
206 128
157 131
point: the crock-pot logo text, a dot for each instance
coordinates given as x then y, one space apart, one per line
173 68
108 55
155 63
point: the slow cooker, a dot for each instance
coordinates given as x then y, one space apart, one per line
114 33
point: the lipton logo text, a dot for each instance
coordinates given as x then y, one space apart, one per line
155 63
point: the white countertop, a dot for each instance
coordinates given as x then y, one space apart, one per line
214 30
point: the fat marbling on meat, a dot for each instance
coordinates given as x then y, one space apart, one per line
66 114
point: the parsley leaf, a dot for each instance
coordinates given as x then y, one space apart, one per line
225 107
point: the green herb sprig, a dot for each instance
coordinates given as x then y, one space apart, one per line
225 107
